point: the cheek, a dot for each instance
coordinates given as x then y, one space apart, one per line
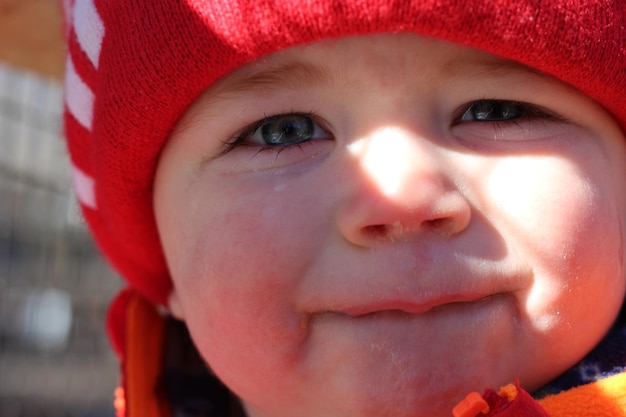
564 218
236 263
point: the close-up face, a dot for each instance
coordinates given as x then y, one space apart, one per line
378 225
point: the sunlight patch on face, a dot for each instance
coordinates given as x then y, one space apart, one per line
517 182
562 200
388 158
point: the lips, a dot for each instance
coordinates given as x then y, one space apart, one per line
411 307
410 292
406 279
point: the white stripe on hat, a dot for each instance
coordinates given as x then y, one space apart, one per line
84 186
89 29
78 96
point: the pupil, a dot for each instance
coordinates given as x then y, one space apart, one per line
496 111
287 130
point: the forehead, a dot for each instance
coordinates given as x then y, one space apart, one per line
357 60
337 58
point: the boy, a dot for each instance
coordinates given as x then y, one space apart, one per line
357 208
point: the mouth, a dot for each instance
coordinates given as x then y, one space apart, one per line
407 307
451 288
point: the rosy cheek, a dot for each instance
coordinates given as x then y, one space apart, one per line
558 216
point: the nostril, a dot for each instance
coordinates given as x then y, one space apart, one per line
397 230
365 222
435 223
445 225
377 231
385 231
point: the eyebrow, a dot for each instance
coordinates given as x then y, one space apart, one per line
289 75
298 73
469 68
465 67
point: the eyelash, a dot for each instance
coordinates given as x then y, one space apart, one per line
240 139
525 111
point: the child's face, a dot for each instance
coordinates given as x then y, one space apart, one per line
376 226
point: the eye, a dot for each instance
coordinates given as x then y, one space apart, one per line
282 130
500 111
506 120
276 142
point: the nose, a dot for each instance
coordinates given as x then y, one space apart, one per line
403 189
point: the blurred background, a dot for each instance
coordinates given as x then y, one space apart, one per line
54 287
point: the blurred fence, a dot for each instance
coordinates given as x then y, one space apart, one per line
54 287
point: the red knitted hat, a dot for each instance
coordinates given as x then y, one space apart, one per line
135 66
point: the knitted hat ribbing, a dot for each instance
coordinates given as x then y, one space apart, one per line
134 67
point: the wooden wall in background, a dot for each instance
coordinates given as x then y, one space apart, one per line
31 36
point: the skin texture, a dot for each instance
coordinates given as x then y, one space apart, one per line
405 253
